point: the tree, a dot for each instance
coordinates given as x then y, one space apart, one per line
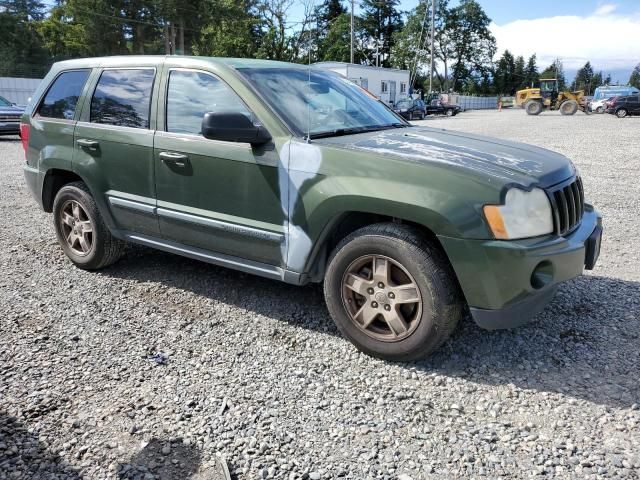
584 79
519 74
381 19
411 45
531 75
634 80
21 49
504 77
556 70
466 42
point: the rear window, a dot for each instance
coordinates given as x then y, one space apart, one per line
62 98
123 97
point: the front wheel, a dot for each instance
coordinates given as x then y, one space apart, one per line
81 232
570 107
533 107
392 293
621 113
449 112
600 110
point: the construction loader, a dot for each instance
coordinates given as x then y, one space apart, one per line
548 97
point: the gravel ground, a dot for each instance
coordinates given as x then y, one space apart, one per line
160 366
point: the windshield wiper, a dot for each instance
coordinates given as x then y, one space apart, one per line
338 132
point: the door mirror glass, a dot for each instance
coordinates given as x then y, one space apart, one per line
233 127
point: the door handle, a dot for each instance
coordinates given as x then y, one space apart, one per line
91 144
177 159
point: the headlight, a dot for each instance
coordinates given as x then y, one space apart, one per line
524 214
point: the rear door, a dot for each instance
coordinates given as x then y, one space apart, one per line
114 144
219 196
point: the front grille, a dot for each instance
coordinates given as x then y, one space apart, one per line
567 202
9 118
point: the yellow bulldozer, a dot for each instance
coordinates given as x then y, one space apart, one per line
548 97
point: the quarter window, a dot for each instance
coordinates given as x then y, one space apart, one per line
123 98
62 98
191 94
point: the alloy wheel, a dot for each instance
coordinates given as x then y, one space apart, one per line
76 227
382 298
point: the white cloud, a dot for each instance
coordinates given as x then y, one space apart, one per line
605 9
604 37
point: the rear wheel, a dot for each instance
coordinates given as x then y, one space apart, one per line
391 293
81 232
570 107
621 113
449 112
533 107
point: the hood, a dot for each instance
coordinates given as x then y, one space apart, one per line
488 157
4 110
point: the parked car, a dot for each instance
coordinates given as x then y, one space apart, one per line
10 115
437 107
292 173
606 92
411 108
624 106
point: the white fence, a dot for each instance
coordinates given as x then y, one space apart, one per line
18 90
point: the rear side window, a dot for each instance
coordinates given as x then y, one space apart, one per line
123 98
192 94
62 98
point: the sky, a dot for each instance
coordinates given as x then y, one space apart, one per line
607 33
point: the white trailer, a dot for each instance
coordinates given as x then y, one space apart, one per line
388 84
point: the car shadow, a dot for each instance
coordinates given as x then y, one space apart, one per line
23 455
584 344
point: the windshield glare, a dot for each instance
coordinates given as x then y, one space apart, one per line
319 101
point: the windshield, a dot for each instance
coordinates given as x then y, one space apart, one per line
404 104
320 102
4 102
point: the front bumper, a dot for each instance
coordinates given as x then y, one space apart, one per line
9 128
506 283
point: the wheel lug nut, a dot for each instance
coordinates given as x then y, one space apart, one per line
380 285
374 304
387 307
392 295
370 291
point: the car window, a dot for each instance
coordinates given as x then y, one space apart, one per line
123 97
4 102
62 97
191 94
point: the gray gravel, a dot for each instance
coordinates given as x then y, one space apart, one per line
158 365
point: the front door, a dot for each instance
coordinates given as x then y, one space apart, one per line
114 146
219 196
392 92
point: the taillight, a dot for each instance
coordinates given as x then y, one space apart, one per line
24 136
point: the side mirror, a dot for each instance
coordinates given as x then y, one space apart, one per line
233 127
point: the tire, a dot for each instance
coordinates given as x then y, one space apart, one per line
422 115
600 110
570 107
75 211
533 107
419 267
621 113
449 112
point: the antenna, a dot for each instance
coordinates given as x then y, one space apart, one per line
308 93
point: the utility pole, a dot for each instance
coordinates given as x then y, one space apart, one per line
352 7
433 34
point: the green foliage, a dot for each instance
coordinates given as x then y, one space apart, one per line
381 20
555 70
531 75
634 80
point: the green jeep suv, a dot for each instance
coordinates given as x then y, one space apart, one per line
296 174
